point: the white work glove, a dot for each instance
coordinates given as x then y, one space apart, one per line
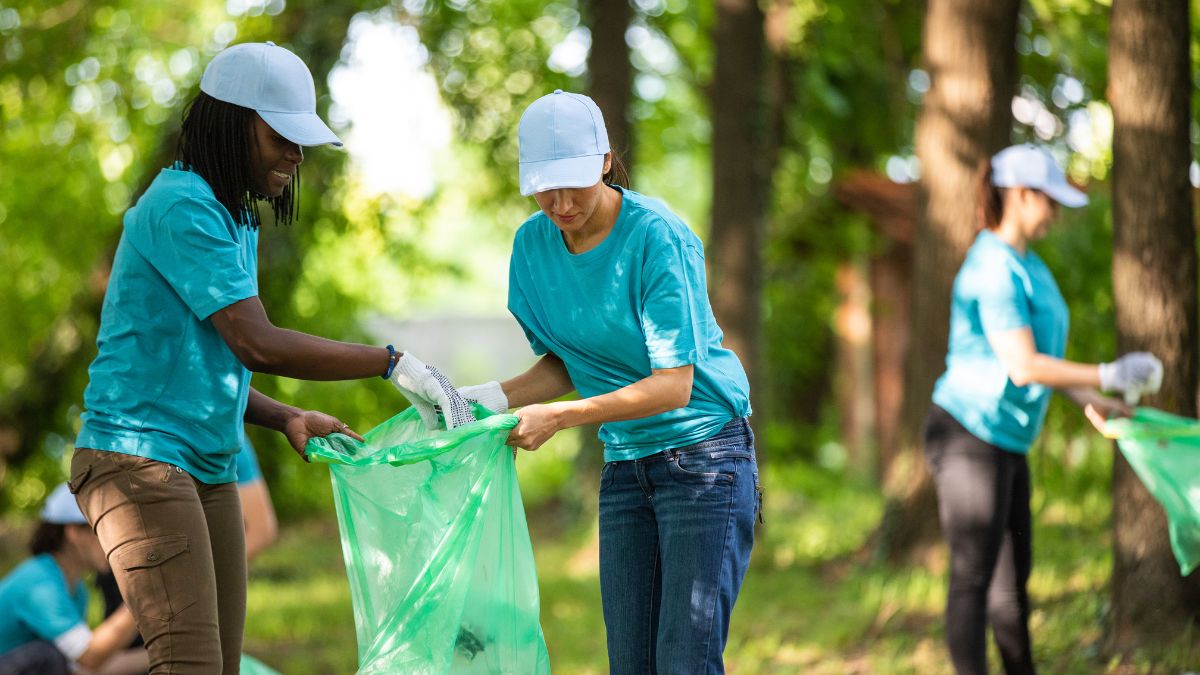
429 391
488 395
1135 373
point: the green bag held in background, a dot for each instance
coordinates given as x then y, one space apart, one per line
433 530
1164 451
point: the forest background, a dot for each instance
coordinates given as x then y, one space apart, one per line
823 150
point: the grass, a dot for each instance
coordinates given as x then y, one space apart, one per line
810 603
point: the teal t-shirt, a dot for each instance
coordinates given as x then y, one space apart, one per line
998 289
164 384
248 470
35 603
636 301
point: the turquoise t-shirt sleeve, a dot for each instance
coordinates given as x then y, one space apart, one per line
48 610
674 311
1000 297
192 248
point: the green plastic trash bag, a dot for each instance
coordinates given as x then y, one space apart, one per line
252 666
1164 451
433 531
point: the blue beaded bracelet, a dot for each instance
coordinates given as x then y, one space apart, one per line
387 374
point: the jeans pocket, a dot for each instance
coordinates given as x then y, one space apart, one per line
702 467
160 575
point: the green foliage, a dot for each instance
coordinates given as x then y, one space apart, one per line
490 58
88 95
844 64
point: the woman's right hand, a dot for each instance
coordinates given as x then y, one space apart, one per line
537 424
307 424
1134 373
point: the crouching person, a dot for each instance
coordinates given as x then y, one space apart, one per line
43 602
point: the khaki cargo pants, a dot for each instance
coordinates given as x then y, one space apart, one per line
177 548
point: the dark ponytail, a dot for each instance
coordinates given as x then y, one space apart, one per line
990 198
617 174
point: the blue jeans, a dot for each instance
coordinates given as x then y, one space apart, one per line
676 530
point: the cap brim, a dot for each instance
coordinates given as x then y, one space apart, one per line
301 128
552 174
1066 195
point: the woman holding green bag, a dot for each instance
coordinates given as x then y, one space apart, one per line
181 330
609 287
1008 333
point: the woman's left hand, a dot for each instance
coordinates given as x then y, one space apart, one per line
307 424
537 424
1100 408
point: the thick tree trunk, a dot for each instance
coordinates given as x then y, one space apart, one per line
739 182
971 60
1154 289
611 74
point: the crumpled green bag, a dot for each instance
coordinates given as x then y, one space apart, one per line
437 549
1164 451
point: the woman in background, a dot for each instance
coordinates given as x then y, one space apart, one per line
1008 335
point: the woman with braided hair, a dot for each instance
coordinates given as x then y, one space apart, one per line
181 330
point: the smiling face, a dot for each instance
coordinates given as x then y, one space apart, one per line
273 160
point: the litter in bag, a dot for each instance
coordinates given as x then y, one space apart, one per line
1164 451
437 549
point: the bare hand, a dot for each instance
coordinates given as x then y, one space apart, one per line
1101 408
537 424
310 423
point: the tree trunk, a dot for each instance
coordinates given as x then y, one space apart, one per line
891 295
739 182
969 53
1154 291
611 74
854 383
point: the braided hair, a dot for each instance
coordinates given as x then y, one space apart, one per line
215 142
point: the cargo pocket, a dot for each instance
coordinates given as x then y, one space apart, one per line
160 576
79 475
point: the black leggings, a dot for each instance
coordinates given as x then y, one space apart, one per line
983 505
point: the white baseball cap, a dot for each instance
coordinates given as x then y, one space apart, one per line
562 142
1030 166
273 82
62 509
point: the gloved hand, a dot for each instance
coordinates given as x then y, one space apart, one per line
1135 373
488 395
427 389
